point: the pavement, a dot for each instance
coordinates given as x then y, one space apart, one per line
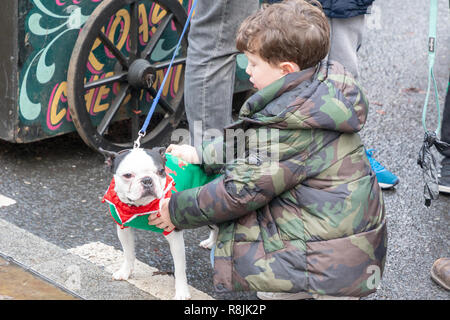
53 224
83 272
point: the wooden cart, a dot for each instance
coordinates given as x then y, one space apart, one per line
92 66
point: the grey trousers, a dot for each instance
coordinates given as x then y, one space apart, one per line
211 65
346 38
211 61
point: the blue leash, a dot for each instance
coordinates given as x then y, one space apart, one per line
143 130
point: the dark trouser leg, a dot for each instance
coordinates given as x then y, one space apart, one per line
444 182
445 128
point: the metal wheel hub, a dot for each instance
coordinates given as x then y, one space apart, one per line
112 121
141 74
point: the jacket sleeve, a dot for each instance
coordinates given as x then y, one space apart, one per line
243 188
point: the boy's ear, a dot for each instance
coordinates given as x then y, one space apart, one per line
289 67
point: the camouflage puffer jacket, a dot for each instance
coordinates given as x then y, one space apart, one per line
312 221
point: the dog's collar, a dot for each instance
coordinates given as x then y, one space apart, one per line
126 213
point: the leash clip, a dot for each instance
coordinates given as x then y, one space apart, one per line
137 143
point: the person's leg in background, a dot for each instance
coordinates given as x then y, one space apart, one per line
346 38
211 64
444 180
440 271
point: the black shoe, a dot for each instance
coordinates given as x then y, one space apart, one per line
444 180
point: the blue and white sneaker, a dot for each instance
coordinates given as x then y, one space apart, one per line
386 179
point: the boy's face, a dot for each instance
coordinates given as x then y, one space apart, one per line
261 72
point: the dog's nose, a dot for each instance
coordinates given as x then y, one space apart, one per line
147 182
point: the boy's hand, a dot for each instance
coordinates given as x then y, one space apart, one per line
162 218
184 152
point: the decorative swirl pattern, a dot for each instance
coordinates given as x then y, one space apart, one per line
44 23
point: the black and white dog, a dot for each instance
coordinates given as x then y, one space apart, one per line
139 179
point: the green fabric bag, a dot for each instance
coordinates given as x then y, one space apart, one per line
187 175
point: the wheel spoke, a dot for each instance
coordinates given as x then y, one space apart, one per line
118 34
165 64
115 105
105 81
114 50
135 115
156 36
134 31
163 103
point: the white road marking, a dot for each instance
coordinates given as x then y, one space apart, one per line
160 286
5 201
61 267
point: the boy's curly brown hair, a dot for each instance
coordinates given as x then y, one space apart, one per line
292 30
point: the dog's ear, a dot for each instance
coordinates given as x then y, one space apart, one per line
161 151
109 157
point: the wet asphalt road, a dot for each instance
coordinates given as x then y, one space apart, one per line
58 183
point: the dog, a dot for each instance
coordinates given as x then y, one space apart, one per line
140 181
140 178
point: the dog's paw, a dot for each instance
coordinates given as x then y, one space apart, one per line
122 274
182 294
211 241
207 244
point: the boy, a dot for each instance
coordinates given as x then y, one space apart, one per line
310 220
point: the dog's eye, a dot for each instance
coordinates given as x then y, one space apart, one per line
161 172
127 175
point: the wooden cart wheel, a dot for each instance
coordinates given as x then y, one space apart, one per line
116 69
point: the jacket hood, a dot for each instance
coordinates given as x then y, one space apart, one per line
322 97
